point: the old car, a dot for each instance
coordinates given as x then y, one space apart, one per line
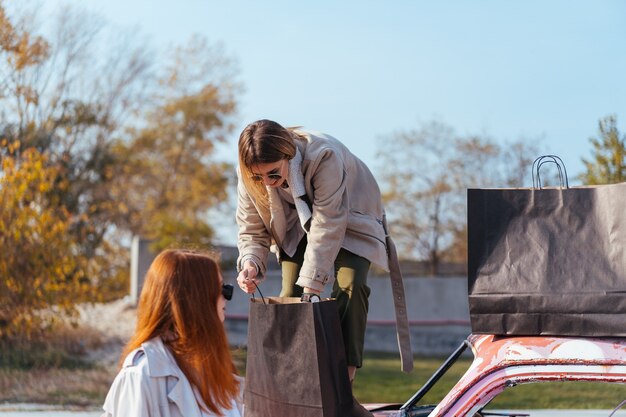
501 363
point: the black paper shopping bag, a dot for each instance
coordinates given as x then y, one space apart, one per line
296 363
548 261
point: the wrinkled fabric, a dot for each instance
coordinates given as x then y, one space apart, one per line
346 212
150 384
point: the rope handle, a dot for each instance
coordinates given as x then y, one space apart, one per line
260 293
549 159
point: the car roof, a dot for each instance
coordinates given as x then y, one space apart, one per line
492 351
500 362
505 361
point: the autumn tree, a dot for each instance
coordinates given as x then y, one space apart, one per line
171 178
130 139
424 174
39 265
608 165
67 100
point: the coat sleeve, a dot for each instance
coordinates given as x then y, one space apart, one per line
328 222
253 239
130 395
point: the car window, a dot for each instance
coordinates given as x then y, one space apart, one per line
574 395
448 379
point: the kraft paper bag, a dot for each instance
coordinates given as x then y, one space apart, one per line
548 261
296 363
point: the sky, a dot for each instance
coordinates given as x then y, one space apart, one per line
361 70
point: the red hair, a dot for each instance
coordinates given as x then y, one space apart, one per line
179 303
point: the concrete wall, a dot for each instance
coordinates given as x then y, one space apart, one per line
140 259
437 308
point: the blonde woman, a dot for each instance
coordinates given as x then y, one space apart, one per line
178 362
319 207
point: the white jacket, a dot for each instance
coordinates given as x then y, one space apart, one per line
150 384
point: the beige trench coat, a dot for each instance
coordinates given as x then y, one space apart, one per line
347 213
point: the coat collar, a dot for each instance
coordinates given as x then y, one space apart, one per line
161 363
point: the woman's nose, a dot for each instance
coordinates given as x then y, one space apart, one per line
267 181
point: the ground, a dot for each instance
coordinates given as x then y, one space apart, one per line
114 322
97 336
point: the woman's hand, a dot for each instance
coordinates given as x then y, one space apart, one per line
248 277
309 290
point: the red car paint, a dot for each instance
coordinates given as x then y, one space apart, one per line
500 362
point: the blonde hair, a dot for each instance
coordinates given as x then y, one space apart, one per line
264 142
179 303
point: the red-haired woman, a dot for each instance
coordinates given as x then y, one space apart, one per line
178 362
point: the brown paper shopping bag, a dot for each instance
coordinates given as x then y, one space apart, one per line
296 363
548 261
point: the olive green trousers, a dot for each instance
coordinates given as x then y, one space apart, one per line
350 290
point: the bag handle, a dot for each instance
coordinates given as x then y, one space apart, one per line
547 159
260 293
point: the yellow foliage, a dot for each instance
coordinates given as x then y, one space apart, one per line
36 262
131 158
21 48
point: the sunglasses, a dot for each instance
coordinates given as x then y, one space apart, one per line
272 177
227 291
